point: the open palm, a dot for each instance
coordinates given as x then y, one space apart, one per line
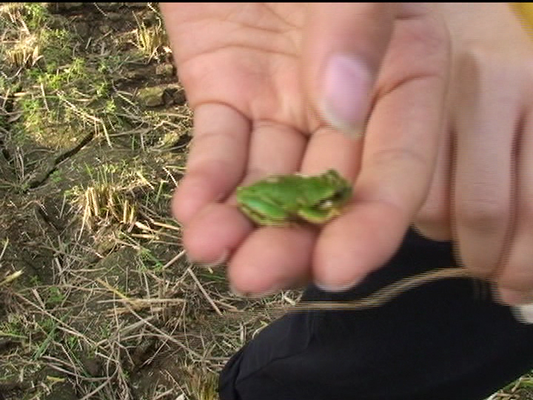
253 76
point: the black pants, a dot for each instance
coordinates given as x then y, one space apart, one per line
446 340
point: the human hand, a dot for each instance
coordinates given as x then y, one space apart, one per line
272 87
483 185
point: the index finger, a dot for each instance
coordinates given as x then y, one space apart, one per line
398 159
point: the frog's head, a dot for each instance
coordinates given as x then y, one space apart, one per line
331 192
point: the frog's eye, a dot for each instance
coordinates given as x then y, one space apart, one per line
339 197
325 204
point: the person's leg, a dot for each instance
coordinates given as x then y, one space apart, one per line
445 340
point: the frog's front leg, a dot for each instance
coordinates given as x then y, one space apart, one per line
262 211
316 215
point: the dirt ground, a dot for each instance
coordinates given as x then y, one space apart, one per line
97 299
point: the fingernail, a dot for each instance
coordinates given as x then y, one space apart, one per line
521 303
251 295
347 86
221 260
523 313
328 287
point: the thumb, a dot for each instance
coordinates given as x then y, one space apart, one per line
345 44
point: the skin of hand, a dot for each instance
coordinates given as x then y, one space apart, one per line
282 88
482 189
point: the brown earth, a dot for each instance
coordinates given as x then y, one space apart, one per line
96 298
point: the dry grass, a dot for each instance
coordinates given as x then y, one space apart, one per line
97 298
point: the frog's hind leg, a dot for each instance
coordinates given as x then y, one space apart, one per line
264 213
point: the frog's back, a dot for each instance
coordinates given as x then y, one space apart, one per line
285 187
295 190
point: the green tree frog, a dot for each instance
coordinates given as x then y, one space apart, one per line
281 200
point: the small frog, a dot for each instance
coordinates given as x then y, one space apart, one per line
280 200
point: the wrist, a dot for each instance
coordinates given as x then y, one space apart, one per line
472 22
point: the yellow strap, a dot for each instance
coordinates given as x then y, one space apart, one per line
387 293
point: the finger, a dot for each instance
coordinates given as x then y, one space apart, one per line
276 258
274 149
484 164
271 259
328 148
214 233
398 162
217 159
433 218
343 48
515 277
513 297
219 229
263 262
